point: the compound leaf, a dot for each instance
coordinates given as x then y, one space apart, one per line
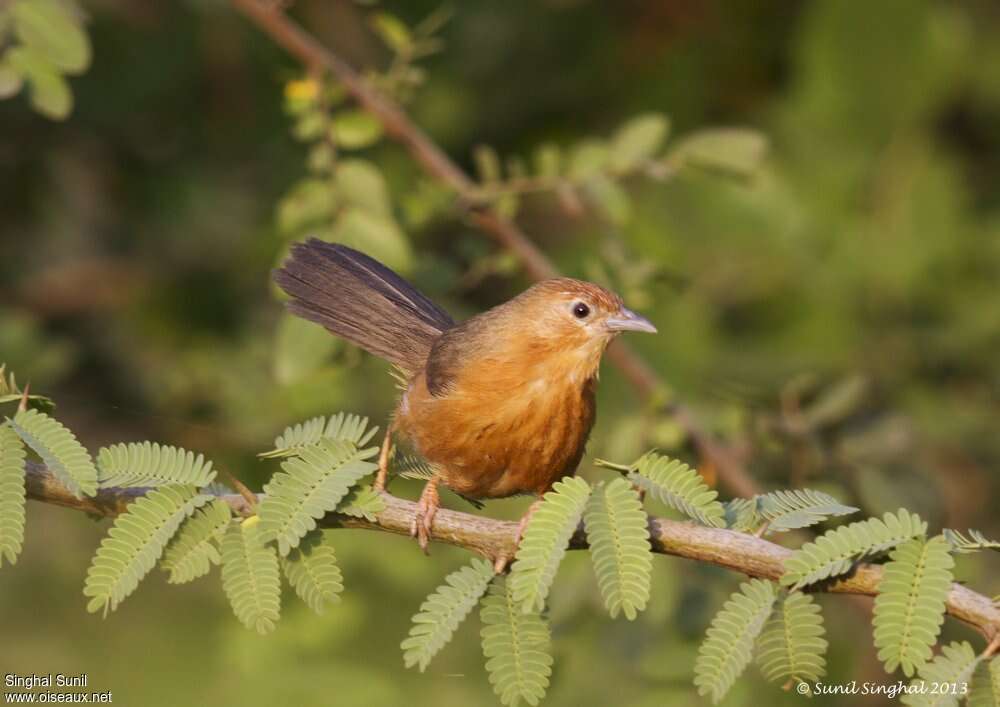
310 485
193 550
676 484
135 542
545 540
834 552
798 508
12 456
150 464
618 533
985 690
250 576
728 646
442 612
516 646
953 666
792 645
64 456
341 427
313 572
974 542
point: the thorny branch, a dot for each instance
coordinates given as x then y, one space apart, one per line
272 20
491 538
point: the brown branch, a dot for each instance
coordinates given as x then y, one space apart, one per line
272 20
491 538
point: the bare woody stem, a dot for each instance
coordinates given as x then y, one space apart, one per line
272 20
740 552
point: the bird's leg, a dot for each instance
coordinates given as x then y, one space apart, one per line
383 460
500 564
427 507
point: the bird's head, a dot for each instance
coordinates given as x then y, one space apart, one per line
577 318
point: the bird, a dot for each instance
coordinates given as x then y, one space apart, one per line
499 405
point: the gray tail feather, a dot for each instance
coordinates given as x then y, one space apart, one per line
363 301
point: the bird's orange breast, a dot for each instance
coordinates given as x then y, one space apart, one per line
504 429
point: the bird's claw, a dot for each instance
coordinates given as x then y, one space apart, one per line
423 519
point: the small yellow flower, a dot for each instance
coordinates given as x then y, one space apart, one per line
302 90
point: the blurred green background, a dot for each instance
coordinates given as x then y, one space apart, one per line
838 315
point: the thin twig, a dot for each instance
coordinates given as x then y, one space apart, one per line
740 552
397 125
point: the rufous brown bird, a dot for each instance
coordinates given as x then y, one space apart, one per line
499 405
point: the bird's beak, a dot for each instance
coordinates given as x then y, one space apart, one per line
627 320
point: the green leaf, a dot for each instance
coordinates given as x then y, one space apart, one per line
362 502
442 612
311 202
792 645
741 514
953 666
587 159
638 140
735 151
973 543
342 427
799 508
10 82
986 684
50 94
545 540
12 456
192 551
392 31
609 198
674 483
250 576
516 646
375 234
310 486
618 533
548 160
836 551
910 605
11 393
302 348
361 184
149 464
59 449
312 570
728 645
48 27
355 129
135 542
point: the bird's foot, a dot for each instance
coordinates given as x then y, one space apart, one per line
423 519
502 561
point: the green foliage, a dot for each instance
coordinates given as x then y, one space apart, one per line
974 542
985 690
313 572
310 485
135 542
954 666
798 508
545 541
910 605
10 392
250 576
150 464
516 646
11 494
51 43
676 484
618 533
734 151
792 644
834 552
638 140
443 610
59 449
362 502
728 645
338 428
193 549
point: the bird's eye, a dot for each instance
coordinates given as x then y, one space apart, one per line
581 310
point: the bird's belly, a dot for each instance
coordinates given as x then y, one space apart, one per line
493 446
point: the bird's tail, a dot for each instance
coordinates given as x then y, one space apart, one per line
363 301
